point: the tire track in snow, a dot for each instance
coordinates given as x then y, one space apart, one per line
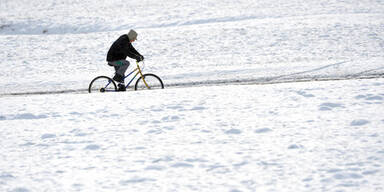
257 81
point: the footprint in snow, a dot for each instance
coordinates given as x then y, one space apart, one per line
78 133
6 176
175 107
48 136
370 97
263 130
77 186
75 113
330 106
136 180
233 132
198 108
305 94
155 168
155 122
360 97
171 118
343 176
359 122
182 165
370 172
92 147
155 131
375 98
295 146
169 127
26 116
20 189
164 159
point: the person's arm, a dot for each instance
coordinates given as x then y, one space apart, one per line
134 54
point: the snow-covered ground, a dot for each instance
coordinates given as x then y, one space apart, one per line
298 136
317 136
58 45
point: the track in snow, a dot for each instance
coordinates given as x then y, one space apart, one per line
258 81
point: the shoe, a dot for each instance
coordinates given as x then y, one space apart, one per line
121 87
118 78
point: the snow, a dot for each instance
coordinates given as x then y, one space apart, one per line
321 136
253 42
260 96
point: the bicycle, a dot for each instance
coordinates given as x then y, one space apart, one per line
104 84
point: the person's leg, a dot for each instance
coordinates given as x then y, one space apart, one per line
124 64
121 67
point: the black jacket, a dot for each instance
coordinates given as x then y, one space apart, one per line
122 48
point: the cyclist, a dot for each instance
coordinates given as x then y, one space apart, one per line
118 53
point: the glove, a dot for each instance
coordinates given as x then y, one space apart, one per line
140 58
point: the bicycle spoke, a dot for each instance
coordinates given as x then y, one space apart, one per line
151 82
102 84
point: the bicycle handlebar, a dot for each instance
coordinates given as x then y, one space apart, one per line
137 63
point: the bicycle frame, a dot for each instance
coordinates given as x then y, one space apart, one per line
138 71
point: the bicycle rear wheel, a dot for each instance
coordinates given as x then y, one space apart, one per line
152 82
102 84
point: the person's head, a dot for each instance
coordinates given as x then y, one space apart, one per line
132 35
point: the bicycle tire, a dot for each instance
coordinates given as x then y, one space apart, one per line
102 84
152 80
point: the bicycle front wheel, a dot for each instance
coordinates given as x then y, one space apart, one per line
150 81
102 84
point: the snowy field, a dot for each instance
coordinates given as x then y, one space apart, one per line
52 45
323 136
225 122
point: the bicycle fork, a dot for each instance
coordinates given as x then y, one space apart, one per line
142 76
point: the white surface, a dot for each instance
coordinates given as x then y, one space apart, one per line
319 136
189 41
313 136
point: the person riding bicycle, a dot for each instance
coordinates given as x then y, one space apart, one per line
118 53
